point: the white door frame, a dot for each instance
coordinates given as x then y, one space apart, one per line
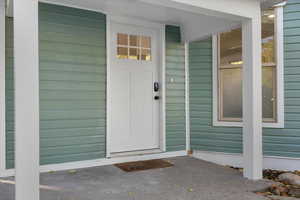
161 72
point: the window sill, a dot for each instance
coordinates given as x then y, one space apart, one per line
240 124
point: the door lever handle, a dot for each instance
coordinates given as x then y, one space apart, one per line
156 97
156 86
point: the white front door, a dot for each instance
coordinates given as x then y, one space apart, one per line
133 74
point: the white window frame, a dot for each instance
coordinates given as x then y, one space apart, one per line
279 77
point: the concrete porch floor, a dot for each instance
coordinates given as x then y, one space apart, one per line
189 179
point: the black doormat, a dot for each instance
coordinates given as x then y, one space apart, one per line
144 165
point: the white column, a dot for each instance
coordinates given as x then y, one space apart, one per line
26 73
252 98
187 98
2 85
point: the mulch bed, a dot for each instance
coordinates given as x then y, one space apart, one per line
279 188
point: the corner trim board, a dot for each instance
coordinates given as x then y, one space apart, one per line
187 97
2 88
99 162
163 120
236 160
108 86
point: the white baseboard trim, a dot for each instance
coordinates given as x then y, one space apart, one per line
99 162
236 160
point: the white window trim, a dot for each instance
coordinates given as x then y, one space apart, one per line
280 78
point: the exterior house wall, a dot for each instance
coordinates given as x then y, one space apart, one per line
175 90
276 142
73 86
9 92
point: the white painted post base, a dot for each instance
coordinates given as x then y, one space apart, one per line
26 73
252 98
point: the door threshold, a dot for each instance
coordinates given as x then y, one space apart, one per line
136 153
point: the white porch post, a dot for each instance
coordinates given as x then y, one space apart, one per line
2 85
26 72
252 98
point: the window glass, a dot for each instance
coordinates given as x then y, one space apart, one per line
146 54
230 76
134 53
268 40
122 39
122 53
230 72
146 42
134 40
231 93
269 66
231 49
269 93
133 47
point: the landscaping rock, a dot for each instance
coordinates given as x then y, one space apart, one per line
295 192
290 178
279 189
272 174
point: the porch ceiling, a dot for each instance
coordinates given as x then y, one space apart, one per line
196 22
270 3
194 25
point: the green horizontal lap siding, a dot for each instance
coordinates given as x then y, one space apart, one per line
204 136
9 91
175 92
276 142
286 142
72 85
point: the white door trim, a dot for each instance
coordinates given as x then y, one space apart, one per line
161 70
163 140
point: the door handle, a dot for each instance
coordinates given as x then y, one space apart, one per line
156 97
156 87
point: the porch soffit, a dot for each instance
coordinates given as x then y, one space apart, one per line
196 20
